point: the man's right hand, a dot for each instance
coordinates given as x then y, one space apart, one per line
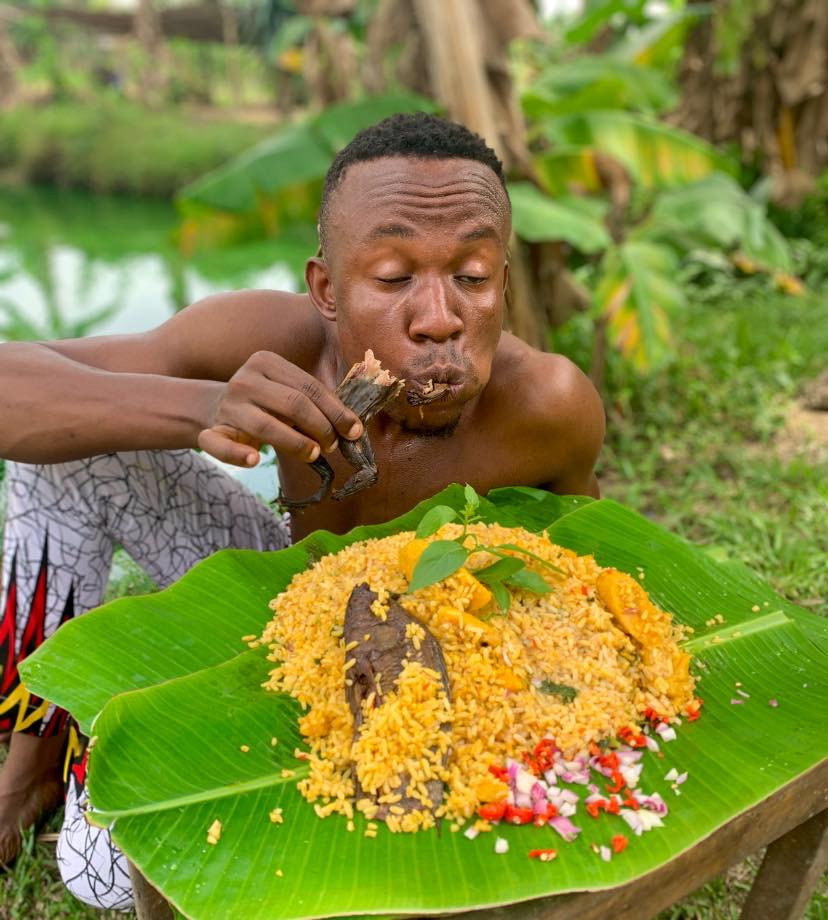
271 401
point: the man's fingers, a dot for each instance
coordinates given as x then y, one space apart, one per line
219 445
298 410
269 430
344 420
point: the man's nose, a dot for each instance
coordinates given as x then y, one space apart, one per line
433 315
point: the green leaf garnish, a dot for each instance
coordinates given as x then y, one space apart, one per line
439 560
499 571
434 519
529 581
501 594
564 691
472 498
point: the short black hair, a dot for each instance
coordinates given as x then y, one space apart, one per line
416 135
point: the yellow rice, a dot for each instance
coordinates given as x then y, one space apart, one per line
497 708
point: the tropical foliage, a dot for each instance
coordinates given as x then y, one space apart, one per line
628 193
172 695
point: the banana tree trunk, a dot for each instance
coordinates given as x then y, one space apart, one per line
770 97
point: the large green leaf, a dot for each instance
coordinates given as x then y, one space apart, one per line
635 296
296 154
656 155
715 212
596 82
180 695
537 217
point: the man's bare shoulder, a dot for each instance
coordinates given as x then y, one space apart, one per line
560 414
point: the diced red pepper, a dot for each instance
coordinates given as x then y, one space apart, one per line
618 782
551 812
693 712
594 749
614 806
585 590
492 811
544 754
631 802
531 763
543 855
619 843
515 815
499 772
593 806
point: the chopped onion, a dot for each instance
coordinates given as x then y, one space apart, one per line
665 732
681 778
565 828
773 703
652 744
471 832
672 775
567 810
501 846
736 702
606 853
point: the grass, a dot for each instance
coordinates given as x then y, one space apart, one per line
701 448
113 146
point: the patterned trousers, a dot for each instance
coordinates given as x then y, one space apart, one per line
168 510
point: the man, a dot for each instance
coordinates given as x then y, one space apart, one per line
414 227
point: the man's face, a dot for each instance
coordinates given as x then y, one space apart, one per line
416 270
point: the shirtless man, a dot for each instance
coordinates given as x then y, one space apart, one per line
414 227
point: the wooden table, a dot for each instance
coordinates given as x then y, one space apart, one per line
792 823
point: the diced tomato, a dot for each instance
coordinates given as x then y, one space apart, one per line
499 772
618 782
614 806
585 590
516 815
593 806
631 802
492 811
543 855
544 754
619 843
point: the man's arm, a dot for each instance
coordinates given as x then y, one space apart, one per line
227 370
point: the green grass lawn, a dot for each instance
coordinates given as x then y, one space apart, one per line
702 448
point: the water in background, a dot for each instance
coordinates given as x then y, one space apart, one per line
74 264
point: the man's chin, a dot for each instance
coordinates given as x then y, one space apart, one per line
436 420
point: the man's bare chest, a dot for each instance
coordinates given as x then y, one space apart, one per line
408 473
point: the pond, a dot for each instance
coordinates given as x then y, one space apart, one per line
75 264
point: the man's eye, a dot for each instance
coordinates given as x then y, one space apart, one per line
397 280
472 279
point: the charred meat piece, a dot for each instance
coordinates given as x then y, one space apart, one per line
422 394
366 388
383 656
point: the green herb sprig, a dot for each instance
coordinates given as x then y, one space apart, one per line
442 558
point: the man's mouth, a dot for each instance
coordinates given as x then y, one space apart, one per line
436 385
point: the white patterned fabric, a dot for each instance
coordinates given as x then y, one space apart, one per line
168 510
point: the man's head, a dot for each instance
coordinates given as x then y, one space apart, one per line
414 225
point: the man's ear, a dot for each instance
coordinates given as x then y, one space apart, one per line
505 276
320 287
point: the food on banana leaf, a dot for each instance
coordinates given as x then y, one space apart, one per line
437 704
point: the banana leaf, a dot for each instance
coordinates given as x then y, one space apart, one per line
537 217
655 154
171 694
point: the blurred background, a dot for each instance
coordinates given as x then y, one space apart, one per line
668 170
